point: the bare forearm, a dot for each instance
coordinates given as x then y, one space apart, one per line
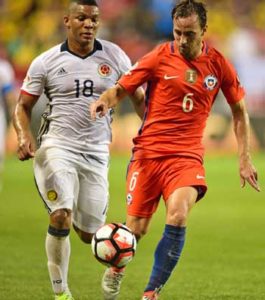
107 100
241 126
113 95
21 120
242 132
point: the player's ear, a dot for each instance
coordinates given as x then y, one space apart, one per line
204 30
66 21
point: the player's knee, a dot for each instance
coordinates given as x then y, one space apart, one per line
61 218
84 236
177 218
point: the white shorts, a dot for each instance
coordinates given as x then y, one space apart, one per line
74 181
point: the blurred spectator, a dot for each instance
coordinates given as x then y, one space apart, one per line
247 45
161 15
7 102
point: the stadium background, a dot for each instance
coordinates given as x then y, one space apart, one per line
224 256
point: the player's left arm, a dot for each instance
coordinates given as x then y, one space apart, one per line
242 131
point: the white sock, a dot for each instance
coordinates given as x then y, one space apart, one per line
58 253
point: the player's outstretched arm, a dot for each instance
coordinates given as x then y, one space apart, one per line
21 121
241 127
107 100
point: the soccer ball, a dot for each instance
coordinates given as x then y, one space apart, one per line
114 245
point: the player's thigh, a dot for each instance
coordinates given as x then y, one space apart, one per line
183 172
91 205
179 204
143 189
56 178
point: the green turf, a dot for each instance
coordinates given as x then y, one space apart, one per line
223 259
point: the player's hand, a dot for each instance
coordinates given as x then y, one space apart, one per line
99 108
248 174
26 148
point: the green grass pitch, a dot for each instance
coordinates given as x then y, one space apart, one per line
223 258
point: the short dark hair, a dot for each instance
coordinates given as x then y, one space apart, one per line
186 8
85 2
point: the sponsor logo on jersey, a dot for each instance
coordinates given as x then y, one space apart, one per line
129 199
167 77
198 176
191 76
104 70
210 82
61 72
52 195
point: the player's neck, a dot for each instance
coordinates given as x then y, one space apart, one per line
81 50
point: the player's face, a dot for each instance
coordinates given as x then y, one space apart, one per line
188 35
82 23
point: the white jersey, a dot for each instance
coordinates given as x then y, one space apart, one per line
71 84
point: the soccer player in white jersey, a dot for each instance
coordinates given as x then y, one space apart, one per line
7 101
71 163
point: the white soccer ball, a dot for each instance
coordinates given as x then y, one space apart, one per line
114 245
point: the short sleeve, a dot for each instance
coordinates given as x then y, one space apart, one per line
124 62
231 86
141 72
35 78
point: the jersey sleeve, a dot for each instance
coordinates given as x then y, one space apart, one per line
141 72
231 86
34 82
124 62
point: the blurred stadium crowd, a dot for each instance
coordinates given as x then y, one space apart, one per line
236 27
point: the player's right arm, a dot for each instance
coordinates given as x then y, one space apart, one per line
112 96
108 99
32 88
21 121
128 85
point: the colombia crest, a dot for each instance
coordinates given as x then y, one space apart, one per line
104 70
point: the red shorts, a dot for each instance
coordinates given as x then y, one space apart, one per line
149 179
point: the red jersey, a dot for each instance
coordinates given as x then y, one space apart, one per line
179 97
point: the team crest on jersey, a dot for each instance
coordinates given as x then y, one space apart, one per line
104 70
129 199
191 76
210 82
52 195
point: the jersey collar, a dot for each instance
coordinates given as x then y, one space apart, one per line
97 46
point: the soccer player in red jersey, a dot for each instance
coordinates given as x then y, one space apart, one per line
183 79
